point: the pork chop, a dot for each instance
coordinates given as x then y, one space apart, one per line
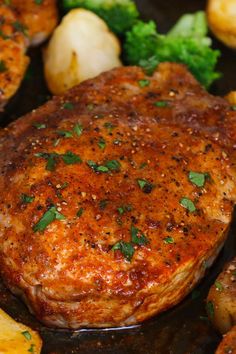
116 197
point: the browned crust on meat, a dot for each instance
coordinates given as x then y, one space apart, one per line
69 275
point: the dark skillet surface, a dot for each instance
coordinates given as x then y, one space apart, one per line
182 330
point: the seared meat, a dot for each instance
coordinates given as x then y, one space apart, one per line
228 344
39 18
116 197
13 61
222 299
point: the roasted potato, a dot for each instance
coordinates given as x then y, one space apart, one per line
81 48
221 300
228 343
221 16
15 338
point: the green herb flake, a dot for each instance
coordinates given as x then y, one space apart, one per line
126 249
19 27
188 204
103 203
79 212
31 349
233 108
3 66
26 199
161 104
137 237
27 335
210 309
142 165
38 2
78 129
70 158
101 143
49 216
145 185
103 169
124 208
219 286
68 105
109 126
39 125
113 165
198 178
168 240
144 83
51 159
65 133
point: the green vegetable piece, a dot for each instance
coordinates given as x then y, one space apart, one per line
145 185
39 125
169 240
70 158
198 178
51 159
103 169
124 208
144 83
161 104
120 15
101 143
19 27
68 105
3 66
210 309
113 165
185 43
78 129
27 335
26 199
188 204
137 237
79 212
219 286
31 349
50 215
65 133
126 249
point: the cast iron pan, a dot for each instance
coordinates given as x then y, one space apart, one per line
181 330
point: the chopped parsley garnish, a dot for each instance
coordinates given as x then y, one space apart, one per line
31 349
79 212
78 129
161 104
51 159
101 143
26 199
137 237
210 309
144 83
198 178
39 125
103 203
70 158
219 286
18 26
65 133
149 65
142 165
146 186
68 105
27 335
126 249
188 204
50 215
38 2
169 240
3 66
109 126
112 165
64 185
124 208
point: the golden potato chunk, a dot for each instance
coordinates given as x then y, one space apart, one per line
222 20
16 338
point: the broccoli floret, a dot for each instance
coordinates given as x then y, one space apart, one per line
185 43
120 15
